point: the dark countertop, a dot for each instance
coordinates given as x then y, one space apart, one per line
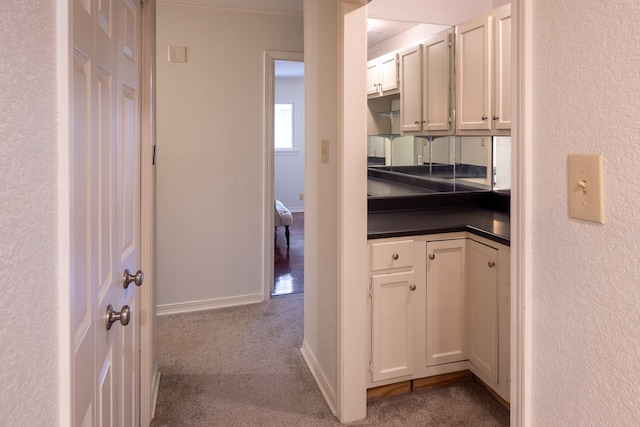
485 222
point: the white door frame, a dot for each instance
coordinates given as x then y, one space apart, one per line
149 374
521 216
268 220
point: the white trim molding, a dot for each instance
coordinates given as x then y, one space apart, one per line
321 379
521 217
208 304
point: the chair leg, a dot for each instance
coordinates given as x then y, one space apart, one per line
286 233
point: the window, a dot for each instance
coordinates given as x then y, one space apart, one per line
284 126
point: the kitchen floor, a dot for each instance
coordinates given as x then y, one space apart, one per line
289 262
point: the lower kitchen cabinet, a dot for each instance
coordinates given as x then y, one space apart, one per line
482 311
445 339
439 304
393 317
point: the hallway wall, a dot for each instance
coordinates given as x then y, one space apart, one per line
29 158
211 152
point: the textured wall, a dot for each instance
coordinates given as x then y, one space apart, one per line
586 276
28 292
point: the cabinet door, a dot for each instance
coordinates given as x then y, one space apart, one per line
389 73
473 75
482 297
392 325
445 301
411 90
502 104
437 72
373 77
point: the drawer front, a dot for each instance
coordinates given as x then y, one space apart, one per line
391 255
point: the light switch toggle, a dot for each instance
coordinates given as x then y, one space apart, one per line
583 184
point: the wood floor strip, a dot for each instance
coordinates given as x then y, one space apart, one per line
443 379
394 389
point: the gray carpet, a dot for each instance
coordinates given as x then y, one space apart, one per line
242 366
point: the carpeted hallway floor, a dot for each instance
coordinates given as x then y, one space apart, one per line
242 366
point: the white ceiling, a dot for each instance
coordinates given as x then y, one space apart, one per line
444 12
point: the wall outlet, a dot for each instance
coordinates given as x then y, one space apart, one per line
301 196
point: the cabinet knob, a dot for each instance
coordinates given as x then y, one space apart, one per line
432 256
484 117
417 122
495 117
491 264
412 287
395 256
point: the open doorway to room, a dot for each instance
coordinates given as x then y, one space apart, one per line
288 177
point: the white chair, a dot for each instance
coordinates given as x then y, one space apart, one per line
283 217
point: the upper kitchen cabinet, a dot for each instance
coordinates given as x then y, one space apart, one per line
426 86
483 74
382 76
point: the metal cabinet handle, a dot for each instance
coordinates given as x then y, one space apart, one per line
495 117
124 316
432 256
491 264
137 278
395 256
412 287
484 117
417 122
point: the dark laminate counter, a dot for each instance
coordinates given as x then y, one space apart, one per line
479 218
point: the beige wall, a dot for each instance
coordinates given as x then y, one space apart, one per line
585 276
211 151
28 215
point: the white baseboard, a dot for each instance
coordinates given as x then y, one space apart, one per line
321 380
185 307
154 391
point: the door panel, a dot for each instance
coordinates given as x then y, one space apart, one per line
105 210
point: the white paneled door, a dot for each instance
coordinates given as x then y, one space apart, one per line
104 167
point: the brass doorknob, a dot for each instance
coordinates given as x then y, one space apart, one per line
124 316
137 278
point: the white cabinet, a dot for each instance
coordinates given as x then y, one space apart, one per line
393 312
425 86
483 73
445 338
482 312
438 304
382 75
411 89
393 316
489 313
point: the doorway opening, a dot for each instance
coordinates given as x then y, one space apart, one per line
288 176
285 172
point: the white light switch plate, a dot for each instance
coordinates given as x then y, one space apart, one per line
177 54
586 187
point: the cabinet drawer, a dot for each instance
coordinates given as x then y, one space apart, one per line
391 255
